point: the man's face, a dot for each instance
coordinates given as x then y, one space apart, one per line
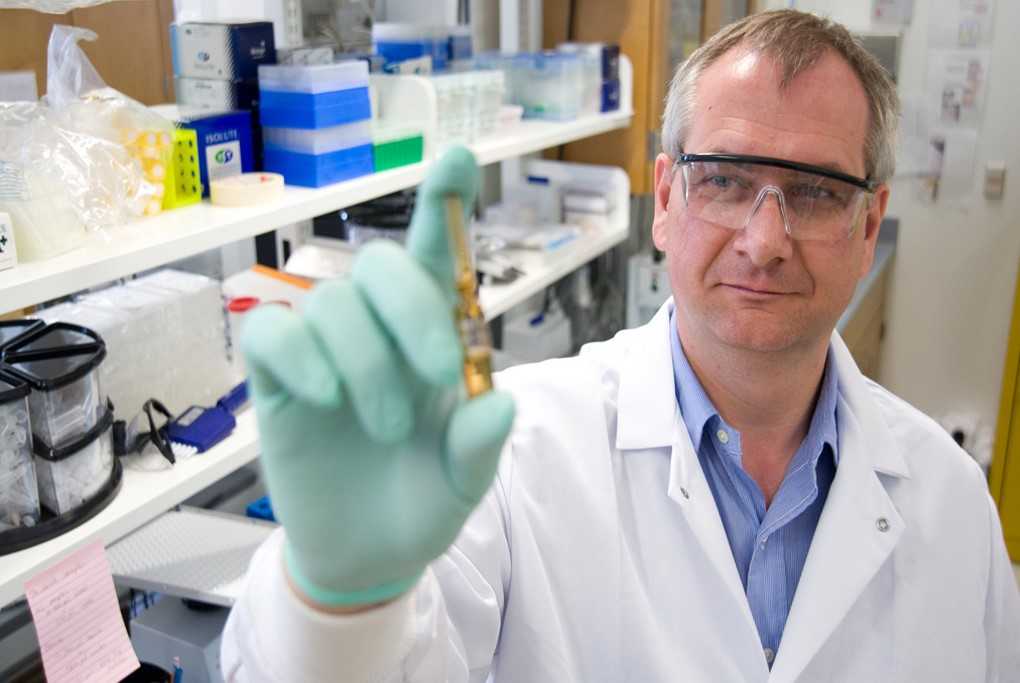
758 289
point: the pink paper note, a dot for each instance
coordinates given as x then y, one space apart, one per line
81 633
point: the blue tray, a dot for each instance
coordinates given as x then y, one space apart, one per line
313 110
316 170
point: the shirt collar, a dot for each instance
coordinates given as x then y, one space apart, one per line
697 408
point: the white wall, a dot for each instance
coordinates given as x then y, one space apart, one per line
956 264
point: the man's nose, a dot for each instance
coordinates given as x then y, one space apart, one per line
764 238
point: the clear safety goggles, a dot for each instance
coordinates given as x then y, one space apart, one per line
816 203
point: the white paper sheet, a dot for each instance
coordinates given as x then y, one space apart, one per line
957 84
77 619
888 13
961 23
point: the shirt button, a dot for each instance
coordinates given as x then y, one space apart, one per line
723 436
770 655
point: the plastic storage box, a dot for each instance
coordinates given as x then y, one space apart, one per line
217 95
315 95
319 140
222 50
555 87
224 145
397 42
70 478
314 78
19 494
316 170
395 146
11 331
60 363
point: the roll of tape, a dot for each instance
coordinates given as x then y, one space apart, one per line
246 189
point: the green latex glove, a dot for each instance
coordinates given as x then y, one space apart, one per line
372 455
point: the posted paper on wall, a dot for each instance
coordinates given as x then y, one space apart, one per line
961 23
892 12
77 619
957 83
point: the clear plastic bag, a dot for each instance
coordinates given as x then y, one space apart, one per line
84 158
50 6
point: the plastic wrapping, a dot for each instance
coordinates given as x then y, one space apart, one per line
165 338
85 157
50 6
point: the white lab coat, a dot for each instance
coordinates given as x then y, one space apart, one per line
599 555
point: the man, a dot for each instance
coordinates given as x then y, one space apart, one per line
719 495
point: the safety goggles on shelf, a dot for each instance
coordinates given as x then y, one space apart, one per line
816 203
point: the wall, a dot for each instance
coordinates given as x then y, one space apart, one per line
953 281
132 52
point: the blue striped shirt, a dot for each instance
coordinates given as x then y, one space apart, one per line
769 545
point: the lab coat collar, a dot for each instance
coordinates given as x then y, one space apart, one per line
646 403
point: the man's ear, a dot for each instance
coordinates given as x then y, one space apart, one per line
663 189
872 223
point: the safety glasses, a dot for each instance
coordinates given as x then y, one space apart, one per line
816 203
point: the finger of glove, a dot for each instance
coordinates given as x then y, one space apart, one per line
365 359
456 173
284 358
474 441
412 310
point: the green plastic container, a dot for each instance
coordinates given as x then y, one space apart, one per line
396 146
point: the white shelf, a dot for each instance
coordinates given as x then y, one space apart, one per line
542 270
143 496
185 232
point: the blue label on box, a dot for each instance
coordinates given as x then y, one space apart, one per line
224 145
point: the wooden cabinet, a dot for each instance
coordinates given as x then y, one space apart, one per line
132 53
640 29
863 332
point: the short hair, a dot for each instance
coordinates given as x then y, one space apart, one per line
796 41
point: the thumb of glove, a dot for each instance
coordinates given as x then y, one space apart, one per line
477 430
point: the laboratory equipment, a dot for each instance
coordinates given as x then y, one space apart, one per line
165 337
171 630
247 189
471 326
317 122
19 495
70 477
183 184
13 330
224 144
395 145
202 428
316 170
60 362
529 337
217 94
314 95
319 140
227 51
400 42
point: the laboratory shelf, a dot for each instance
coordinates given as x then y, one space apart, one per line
143 497
543 269
184 232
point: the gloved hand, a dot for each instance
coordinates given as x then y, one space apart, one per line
372 455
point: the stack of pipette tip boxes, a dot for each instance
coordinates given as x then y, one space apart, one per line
317 121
